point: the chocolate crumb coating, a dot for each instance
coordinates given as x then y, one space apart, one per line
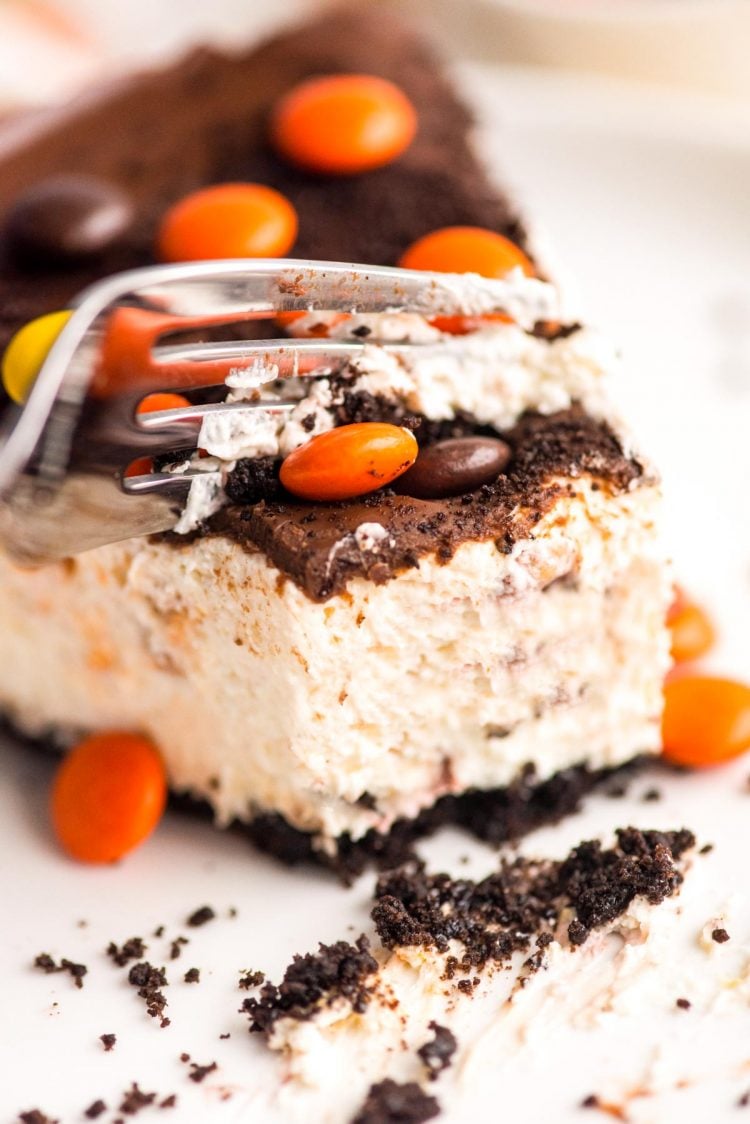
340 970
47 965
201 916
132 949
514 909
437 1053
134 1099
314 544
199 1072
249 980
175 948
501 914
150 981
204 120
387 1102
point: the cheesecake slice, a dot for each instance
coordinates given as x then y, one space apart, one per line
337 677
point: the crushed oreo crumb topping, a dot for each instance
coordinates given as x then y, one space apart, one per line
199 1072
387 1102
254 479
150 981
132 949
175 948
95 1109
193 975
249 980
201 916
721 936
437 1053
47 965
501 914
134 1099
108 1041
335 970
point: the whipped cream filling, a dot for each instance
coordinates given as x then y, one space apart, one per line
494 375
262 700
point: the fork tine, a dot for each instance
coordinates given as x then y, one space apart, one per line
159 420
62 458
303 357
269 286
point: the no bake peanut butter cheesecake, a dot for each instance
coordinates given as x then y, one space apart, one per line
476 640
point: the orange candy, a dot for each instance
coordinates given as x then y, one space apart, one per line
287 320
462 325
155 402
108 796
230 220
343 124
692 631
349 461
706 720
466 249
140 467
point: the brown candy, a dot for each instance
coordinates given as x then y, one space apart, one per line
67 218
454 467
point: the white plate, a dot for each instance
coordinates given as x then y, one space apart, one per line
647 204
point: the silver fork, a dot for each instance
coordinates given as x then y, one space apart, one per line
63 457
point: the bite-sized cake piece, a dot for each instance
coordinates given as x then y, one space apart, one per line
346 666
454 960
476 641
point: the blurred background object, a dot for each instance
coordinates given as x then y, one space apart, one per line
51 48
701 45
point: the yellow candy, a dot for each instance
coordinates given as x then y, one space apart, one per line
27 351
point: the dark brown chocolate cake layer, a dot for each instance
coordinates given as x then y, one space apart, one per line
204 120
314 544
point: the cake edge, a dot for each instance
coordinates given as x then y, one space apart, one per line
493 816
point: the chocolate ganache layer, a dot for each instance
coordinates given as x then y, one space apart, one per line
317 547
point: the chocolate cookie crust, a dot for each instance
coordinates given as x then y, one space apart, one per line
315 544
204 120
493 815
